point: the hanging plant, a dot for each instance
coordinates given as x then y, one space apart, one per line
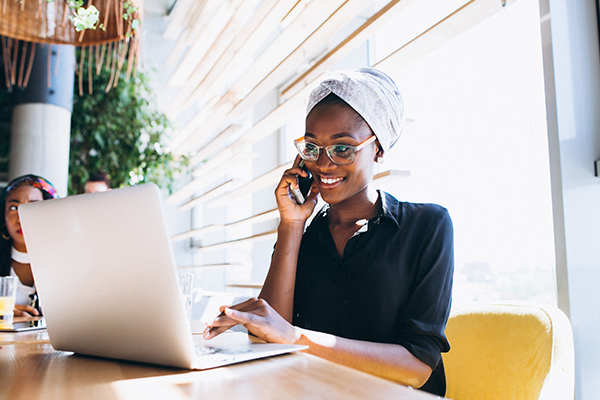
100 26
122 133
89 17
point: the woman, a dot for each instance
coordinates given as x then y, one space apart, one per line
368 284
14 259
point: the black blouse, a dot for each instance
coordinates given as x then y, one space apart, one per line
393 284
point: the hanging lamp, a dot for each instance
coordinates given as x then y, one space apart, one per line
26 22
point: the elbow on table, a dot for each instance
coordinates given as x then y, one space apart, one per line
421 380
416 378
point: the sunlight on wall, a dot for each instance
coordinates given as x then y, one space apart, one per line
479 147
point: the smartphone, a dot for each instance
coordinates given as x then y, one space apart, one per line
304 184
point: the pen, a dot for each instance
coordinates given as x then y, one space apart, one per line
210 329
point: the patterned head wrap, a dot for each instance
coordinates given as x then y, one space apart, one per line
48 191
372 94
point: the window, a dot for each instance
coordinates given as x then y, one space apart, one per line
478 146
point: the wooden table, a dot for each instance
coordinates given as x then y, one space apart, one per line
31 369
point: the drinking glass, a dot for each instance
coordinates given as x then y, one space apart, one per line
186 290
8 295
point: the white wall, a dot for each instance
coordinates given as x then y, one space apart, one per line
574 136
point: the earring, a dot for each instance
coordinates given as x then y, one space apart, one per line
3 235
379 160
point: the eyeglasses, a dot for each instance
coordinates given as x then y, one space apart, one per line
340 154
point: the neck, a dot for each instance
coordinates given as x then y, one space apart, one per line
19 246
364 205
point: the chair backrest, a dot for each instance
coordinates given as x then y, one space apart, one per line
509 351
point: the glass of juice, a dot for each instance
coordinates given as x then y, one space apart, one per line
8 295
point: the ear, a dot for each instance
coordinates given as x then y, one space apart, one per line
379 153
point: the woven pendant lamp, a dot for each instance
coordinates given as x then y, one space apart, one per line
26 22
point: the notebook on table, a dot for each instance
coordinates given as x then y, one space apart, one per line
104 271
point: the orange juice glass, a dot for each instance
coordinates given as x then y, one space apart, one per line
8 295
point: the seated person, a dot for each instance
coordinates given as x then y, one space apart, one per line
97 182
14 260
368 283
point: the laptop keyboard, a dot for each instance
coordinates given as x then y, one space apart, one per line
208 350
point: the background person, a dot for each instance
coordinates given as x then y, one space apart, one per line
368 284
14 260
97 182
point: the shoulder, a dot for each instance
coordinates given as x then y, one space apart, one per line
408 213
318 222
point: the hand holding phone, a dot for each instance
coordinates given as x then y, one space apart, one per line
304 185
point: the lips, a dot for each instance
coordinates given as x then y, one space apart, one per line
20 231
329 182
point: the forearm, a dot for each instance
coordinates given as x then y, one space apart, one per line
390 361
278 289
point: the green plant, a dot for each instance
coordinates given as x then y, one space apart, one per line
122 133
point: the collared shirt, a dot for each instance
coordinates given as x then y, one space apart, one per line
392 285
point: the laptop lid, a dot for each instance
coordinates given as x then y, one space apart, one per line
104 271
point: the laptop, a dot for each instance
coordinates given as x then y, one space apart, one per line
104 271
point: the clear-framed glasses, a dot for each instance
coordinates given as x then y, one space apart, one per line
340 154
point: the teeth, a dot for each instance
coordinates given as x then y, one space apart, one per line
330 181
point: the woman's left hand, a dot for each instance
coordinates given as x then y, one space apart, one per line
258 317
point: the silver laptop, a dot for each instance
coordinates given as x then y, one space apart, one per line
104 272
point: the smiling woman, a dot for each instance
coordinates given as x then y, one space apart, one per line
368 283
14 260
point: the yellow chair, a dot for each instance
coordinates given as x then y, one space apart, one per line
517 351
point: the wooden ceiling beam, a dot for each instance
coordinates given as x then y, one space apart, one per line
265 127
210 118
228 35
358 37
304 24
308 19
248 239
257 184
218 143
200 47
355 39
212 174
246 57
197 232
337 20
238 52
460 21
211 194
379 180
292 64
271 178
182 17
201 17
